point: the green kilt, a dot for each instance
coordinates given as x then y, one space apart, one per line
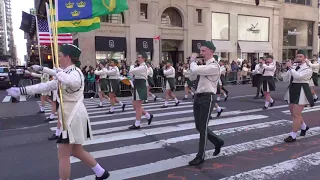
314 78
104 85
140 91
172 83
189 82
150 81
295 92
114 86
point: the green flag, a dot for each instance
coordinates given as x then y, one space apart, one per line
68 10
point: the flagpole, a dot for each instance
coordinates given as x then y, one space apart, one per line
40 59
55 37
50 34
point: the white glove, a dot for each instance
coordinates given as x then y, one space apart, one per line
37 68
14 92
27 72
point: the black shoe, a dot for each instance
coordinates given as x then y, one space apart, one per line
289 139
219 113
104 176
218 149
100 106
184 98
145 102
256 97
164 106
303 132
110 112
196 161
123 107
210 117
155 98
41 112
226 98
177 103
48 119
53 137
192 96
134 127
315 100
150 120
265 108
271 104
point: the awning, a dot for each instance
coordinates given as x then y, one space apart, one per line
255 47
224 46
144 44
116 44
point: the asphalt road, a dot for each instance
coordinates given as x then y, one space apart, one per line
254 148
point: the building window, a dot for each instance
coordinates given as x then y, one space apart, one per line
171 17
251 28
143 11
220 26
199 15
113 18
302 2
297 33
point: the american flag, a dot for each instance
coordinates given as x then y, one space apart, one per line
44 34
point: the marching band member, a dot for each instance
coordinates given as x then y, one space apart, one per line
256 79
267 80
188 83
114 87
74 112
222 80
170 83
139 72
299 93
206 87
150 82
103 82
314 79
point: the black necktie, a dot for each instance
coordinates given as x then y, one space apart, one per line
291 80
263 71
197 82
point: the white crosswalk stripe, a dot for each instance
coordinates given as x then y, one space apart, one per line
8 98
173 127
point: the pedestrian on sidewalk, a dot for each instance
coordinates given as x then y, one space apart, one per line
208 76
74 112
299 93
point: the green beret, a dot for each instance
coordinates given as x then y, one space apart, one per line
143 54
70 50
216 57
209 45
300 51
169 61
115 61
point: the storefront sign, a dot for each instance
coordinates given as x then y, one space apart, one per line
104 43
172 34
252 28
294 32
144 44
196 44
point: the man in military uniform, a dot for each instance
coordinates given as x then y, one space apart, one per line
208 76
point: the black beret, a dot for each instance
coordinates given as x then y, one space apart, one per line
70 50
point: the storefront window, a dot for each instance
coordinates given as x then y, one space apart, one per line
297 33
220 26
251 28
302 2
103 55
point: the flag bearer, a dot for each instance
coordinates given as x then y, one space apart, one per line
206 86
74 112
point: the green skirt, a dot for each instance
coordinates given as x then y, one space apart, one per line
104 85
140 91
172 84
114 86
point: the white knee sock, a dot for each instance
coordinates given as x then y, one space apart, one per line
176 100
293 135
98 170
58 132
271 100
218 109
315 96
137 123
303 126
266 104
41 108
111 108
121 104
147 115
51 116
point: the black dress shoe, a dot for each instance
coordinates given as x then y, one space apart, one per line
133 127
49 119
315 100
177 103
226 98
196 161
164 106
104 176
210 117
265 108
110 112
150 120
271 104
184 98
219 113
100 106
53 137
123 107
289 139
256 97
41 112
303 132
155 98
218 149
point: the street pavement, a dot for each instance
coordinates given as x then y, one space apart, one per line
253 150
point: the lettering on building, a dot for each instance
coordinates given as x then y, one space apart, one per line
111 31
254 29
294 32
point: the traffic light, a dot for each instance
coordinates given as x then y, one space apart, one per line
257 2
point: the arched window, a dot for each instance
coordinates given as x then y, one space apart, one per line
113 18
171 17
